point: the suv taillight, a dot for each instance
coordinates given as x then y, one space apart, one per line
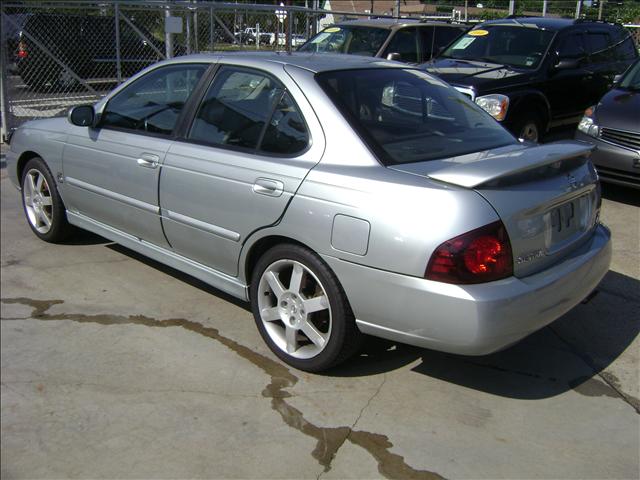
22 50
481 255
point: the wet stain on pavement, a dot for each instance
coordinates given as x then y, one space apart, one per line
591 387
328 440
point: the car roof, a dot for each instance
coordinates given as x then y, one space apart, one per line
389 23
546 23
313 62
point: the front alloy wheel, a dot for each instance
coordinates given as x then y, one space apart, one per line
42 203
38 203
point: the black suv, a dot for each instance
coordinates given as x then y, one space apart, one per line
409 41
84 44
533 74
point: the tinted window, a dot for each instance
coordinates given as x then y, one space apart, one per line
236 108
408 116
518 46
286 132
625 50
429 48
572 46
631 78
444 36
405 42
355 40
153 103
598 43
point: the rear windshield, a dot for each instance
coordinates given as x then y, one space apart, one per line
409 116
355 40
517 46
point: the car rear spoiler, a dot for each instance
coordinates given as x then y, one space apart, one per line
476 173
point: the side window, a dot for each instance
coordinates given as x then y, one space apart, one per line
429 48
153 103
598 44
625 49
236 108
572 46
405 42
444 36
286 133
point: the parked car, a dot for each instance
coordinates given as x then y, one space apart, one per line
533 74
339 194
408 41
52 48
613 125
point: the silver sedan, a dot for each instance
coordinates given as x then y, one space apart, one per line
340 195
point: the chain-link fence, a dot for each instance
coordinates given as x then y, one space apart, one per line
58 54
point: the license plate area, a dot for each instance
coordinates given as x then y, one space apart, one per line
567 222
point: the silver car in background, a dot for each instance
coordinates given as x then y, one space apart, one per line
613 126
340 195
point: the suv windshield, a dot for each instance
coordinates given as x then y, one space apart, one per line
409 116
356 40
517 46
631 79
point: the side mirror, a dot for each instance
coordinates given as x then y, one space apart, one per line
393 56
617 79
82 115
567 63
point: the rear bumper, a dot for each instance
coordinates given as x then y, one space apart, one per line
471 319
614 164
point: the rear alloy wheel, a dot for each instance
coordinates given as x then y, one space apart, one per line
300 309
42 204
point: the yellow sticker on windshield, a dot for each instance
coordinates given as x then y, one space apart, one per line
332 29
478 33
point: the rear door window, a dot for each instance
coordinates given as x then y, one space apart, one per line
428 39
249 109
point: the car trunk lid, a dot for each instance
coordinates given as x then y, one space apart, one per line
547 196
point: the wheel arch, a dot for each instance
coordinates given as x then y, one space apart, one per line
23 160
528 100
256 247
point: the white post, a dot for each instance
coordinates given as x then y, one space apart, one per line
578 8
600 8
512 7
168 38
544 7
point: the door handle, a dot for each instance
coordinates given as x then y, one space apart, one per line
148 160
267 186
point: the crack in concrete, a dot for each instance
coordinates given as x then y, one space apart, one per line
353 425
328 439
608 378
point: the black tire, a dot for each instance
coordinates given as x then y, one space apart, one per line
59 229
344 338
527 124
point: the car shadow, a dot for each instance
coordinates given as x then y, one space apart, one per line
85 237
620 194
178 275
565 355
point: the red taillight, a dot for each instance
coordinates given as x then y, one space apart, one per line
481 255
22 51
